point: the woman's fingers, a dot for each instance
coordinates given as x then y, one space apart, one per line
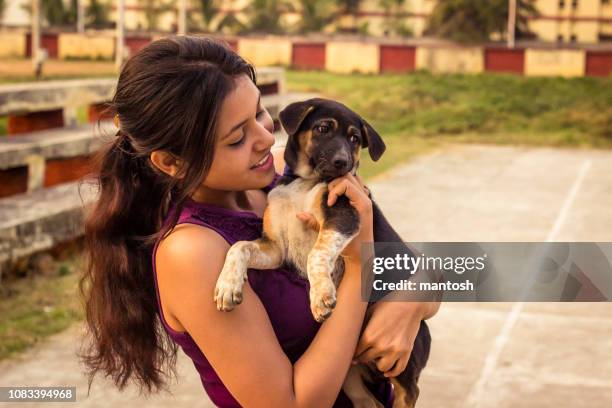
370 354
399 367
385 363
347 187
337 190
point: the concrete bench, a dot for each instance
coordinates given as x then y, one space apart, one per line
34 106
43 217
32 152
38 220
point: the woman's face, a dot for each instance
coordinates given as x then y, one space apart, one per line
244 136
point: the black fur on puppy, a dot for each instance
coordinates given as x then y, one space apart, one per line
325 142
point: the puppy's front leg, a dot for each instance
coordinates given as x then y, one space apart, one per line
320 266
262 253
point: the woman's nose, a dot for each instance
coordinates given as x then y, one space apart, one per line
265 138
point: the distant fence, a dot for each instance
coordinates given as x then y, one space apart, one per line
346 55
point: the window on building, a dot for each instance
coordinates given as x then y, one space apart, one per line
573 38
559 38
561 4
574 4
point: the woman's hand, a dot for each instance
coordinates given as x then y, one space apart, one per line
353 188
389 335
358 195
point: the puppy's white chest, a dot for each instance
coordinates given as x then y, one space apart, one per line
291 234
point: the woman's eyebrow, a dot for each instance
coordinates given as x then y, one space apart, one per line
244 121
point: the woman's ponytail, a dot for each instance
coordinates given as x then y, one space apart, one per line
121 309
167 99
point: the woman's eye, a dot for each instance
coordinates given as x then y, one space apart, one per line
322 128
238 143
354 139
260 113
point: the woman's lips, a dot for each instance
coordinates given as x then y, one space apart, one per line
266 164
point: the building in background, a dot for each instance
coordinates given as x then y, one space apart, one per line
565 21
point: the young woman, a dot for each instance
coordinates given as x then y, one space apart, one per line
186 177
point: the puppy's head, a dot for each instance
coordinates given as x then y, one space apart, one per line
325 139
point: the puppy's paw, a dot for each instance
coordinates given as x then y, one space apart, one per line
322 300
228 290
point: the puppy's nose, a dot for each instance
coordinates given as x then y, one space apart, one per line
340 163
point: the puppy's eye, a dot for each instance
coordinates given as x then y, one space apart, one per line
322 128
354 139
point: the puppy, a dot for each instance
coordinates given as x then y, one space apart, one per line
325 142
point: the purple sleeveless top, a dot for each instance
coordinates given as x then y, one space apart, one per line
282 291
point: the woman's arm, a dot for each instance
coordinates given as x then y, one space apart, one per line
241 344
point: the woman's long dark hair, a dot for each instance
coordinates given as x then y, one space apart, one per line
168 97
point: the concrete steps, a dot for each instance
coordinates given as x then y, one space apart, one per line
43 217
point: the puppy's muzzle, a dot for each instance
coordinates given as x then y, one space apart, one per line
333 164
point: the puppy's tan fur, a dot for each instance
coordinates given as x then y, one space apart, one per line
286 238
315 254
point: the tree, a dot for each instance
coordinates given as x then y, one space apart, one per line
316 14
2 7
476 20
210 11
350 7
265 15
97 14
55 12
394 22
153 9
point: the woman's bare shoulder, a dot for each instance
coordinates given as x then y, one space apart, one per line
188 261
241 345
186 238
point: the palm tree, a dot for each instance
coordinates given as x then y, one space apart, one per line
153 9
316 14
97 14
210 11
2 6
265 16
350 7
394 22
54 12
476 20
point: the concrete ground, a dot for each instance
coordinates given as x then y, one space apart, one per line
486 354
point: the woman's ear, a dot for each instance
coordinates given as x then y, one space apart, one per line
166 162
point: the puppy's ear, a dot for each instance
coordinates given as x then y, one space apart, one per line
291 152
291 118
376 147
294 114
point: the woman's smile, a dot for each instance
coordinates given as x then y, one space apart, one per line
264 164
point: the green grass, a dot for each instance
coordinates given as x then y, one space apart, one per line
36 307
417 111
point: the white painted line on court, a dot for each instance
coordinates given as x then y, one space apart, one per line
475 396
